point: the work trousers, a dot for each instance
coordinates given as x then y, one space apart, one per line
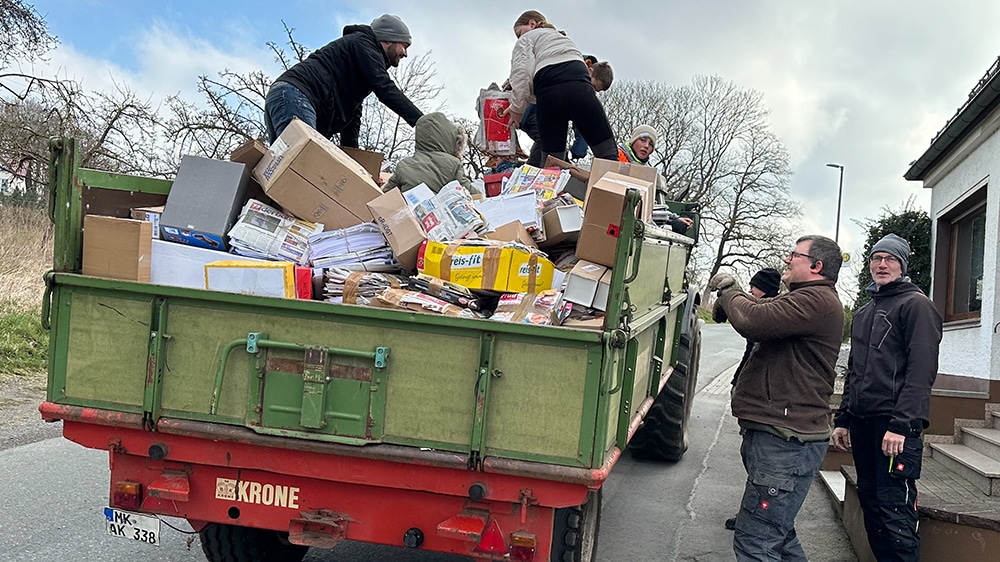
779 475
565 93
888 496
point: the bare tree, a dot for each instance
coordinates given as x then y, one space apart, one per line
23 33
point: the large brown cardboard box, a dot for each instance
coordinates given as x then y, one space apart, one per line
117 248
399 225
371 161
315 180
642 174
602 216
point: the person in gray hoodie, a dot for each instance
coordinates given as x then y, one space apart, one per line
436 160
895 340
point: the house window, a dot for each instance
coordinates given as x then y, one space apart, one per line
962 234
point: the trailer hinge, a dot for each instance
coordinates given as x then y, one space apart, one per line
475 461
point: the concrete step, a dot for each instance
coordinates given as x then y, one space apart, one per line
995 420
836 486
984 440
980 470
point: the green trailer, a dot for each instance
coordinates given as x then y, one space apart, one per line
273 425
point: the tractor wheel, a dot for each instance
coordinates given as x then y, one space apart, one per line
230 543
574 533
663 435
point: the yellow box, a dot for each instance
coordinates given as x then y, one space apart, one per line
487 264
264 279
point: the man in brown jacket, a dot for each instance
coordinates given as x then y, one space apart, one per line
783 393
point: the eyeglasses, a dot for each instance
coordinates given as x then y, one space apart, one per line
888 259
793 253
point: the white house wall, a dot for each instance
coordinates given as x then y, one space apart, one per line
973 350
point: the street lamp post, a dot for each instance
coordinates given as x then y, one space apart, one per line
840 195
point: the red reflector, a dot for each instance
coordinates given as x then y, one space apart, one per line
127 495
492 541
522 553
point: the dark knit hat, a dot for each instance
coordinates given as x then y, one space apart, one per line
391 29
767 280
896 246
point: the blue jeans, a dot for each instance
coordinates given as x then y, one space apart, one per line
283 102
779 474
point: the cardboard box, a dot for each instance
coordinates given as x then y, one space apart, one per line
117 248
512 232
312 178
150 215
583 281
249 153
399 226
180 265
603 291
204 202
370 161
486 264
263 279
602 217
562 223
642 175
585 323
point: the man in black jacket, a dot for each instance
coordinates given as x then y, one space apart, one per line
328 88
892 366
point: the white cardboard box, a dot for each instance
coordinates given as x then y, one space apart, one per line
181 265
603 290
583 282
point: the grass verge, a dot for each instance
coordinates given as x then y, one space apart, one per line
24 344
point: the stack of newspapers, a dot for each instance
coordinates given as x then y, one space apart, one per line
448 214
357 248
356 287
263 232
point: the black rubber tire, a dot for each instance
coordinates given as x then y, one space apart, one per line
230 543
663 435
575 531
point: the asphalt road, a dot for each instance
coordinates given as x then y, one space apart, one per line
54 492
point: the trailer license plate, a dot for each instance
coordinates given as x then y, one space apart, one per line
132 526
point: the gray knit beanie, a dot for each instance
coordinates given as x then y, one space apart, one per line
896 246
391 29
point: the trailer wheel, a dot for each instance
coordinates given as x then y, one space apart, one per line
230 543
574 532
663 435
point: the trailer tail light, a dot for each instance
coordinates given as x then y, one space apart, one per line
492 541
127 495
522 547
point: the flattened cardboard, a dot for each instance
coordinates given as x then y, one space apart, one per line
643 175
205 200
512 232
117 248
315 180
399 226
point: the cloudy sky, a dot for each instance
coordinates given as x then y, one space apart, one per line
866 84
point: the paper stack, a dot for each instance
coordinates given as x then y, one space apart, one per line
342 285
448 215
263 232
545 182
358 248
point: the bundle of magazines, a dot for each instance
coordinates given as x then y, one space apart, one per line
342 285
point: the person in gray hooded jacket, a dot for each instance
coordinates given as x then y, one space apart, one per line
893 363
436 159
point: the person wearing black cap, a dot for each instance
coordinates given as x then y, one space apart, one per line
895 340
328 88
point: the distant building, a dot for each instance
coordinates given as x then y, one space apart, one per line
962 170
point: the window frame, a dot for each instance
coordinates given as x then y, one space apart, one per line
947 253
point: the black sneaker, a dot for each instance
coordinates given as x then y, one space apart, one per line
731 523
